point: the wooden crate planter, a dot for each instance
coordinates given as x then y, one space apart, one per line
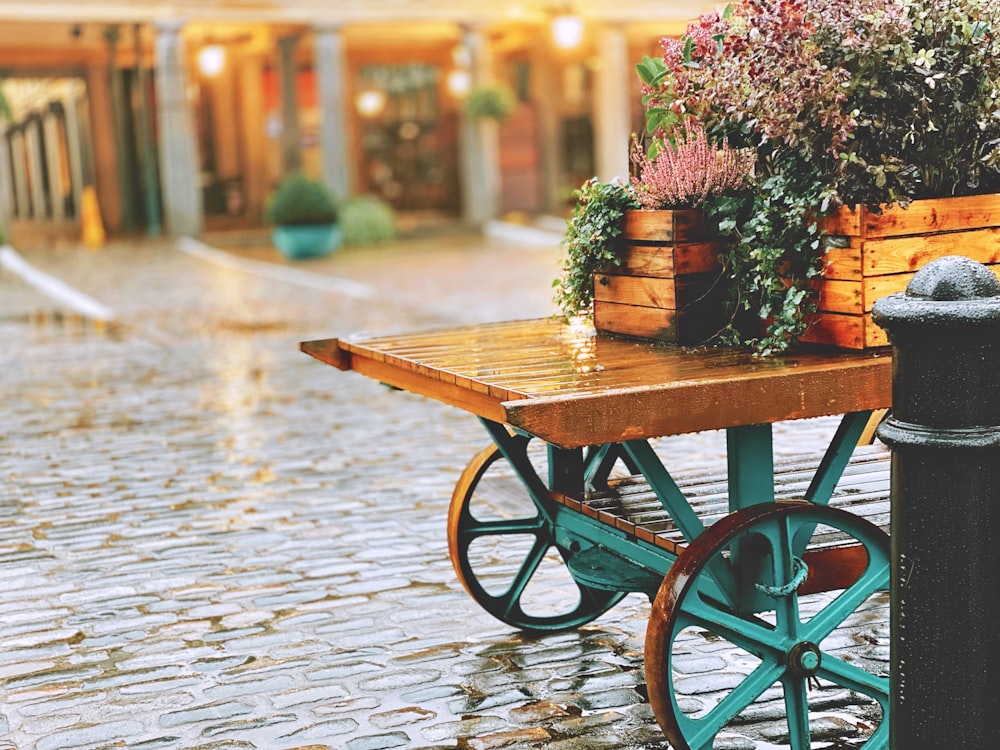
884 251
667 287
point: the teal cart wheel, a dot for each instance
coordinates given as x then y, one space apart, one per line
774 622
504 552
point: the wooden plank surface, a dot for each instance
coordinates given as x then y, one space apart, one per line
571 387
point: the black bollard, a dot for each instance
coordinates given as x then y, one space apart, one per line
944 433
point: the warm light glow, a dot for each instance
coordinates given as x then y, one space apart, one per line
567 31
211 59
459 82
370 102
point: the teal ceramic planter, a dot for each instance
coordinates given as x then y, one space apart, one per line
300 241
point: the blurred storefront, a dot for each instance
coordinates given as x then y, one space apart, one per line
182 117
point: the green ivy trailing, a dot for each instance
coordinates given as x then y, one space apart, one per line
774 250
591 241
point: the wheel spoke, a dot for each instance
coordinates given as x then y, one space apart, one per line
826 621
473 529
700 732
854 678
796 711
512 597
753 636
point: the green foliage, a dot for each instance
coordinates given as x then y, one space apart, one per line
774 249
367 220
302 200
496 101
591 241
924 91
846 101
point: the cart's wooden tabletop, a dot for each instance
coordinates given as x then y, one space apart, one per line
565 384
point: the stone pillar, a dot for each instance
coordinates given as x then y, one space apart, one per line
612 121
334 121
479 141
290 141
52 145
183 209
33 145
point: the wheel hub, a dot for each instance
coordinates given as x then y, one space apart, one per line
805 659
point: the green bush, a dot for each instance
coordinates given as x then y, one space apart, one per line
302 200
367 220
495 101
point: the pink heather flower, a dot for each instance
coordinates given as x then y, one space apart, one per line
685 173
672 52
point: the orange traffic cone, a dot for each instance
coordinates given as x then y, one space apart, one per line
90 219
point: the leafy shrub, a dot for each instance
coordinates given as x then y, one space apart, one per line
845 101
302 200
495 101
367 220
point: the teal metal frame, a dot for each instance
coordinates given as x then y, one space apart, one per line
750 462
747 563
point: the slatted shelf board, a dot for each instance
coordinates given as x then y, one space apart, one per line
566 384
630 505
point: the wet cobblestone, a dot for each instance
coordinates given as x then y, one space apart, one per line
209 540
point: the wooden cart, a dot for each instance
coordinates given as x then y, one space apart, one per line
775 559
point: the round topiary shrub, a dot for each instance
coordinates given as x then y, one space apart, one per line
367 220
302 200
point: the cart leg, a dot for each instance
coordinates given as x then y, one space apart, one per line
797 661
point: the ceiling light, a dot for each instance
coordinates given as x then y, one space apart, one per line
211 59
567 30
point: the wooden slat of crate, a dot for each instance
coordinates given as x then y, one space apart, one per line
845 331
685 309
665 226
885 250
879 257
661 324
668 261
646 291
845 307
920 217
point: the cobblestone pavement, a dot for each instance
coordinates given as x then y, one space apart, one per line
210 540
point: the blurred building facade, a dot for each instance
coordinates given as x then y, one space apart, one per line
181 116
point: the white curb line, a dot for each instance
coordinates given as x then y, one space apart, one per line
53 287
296 276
